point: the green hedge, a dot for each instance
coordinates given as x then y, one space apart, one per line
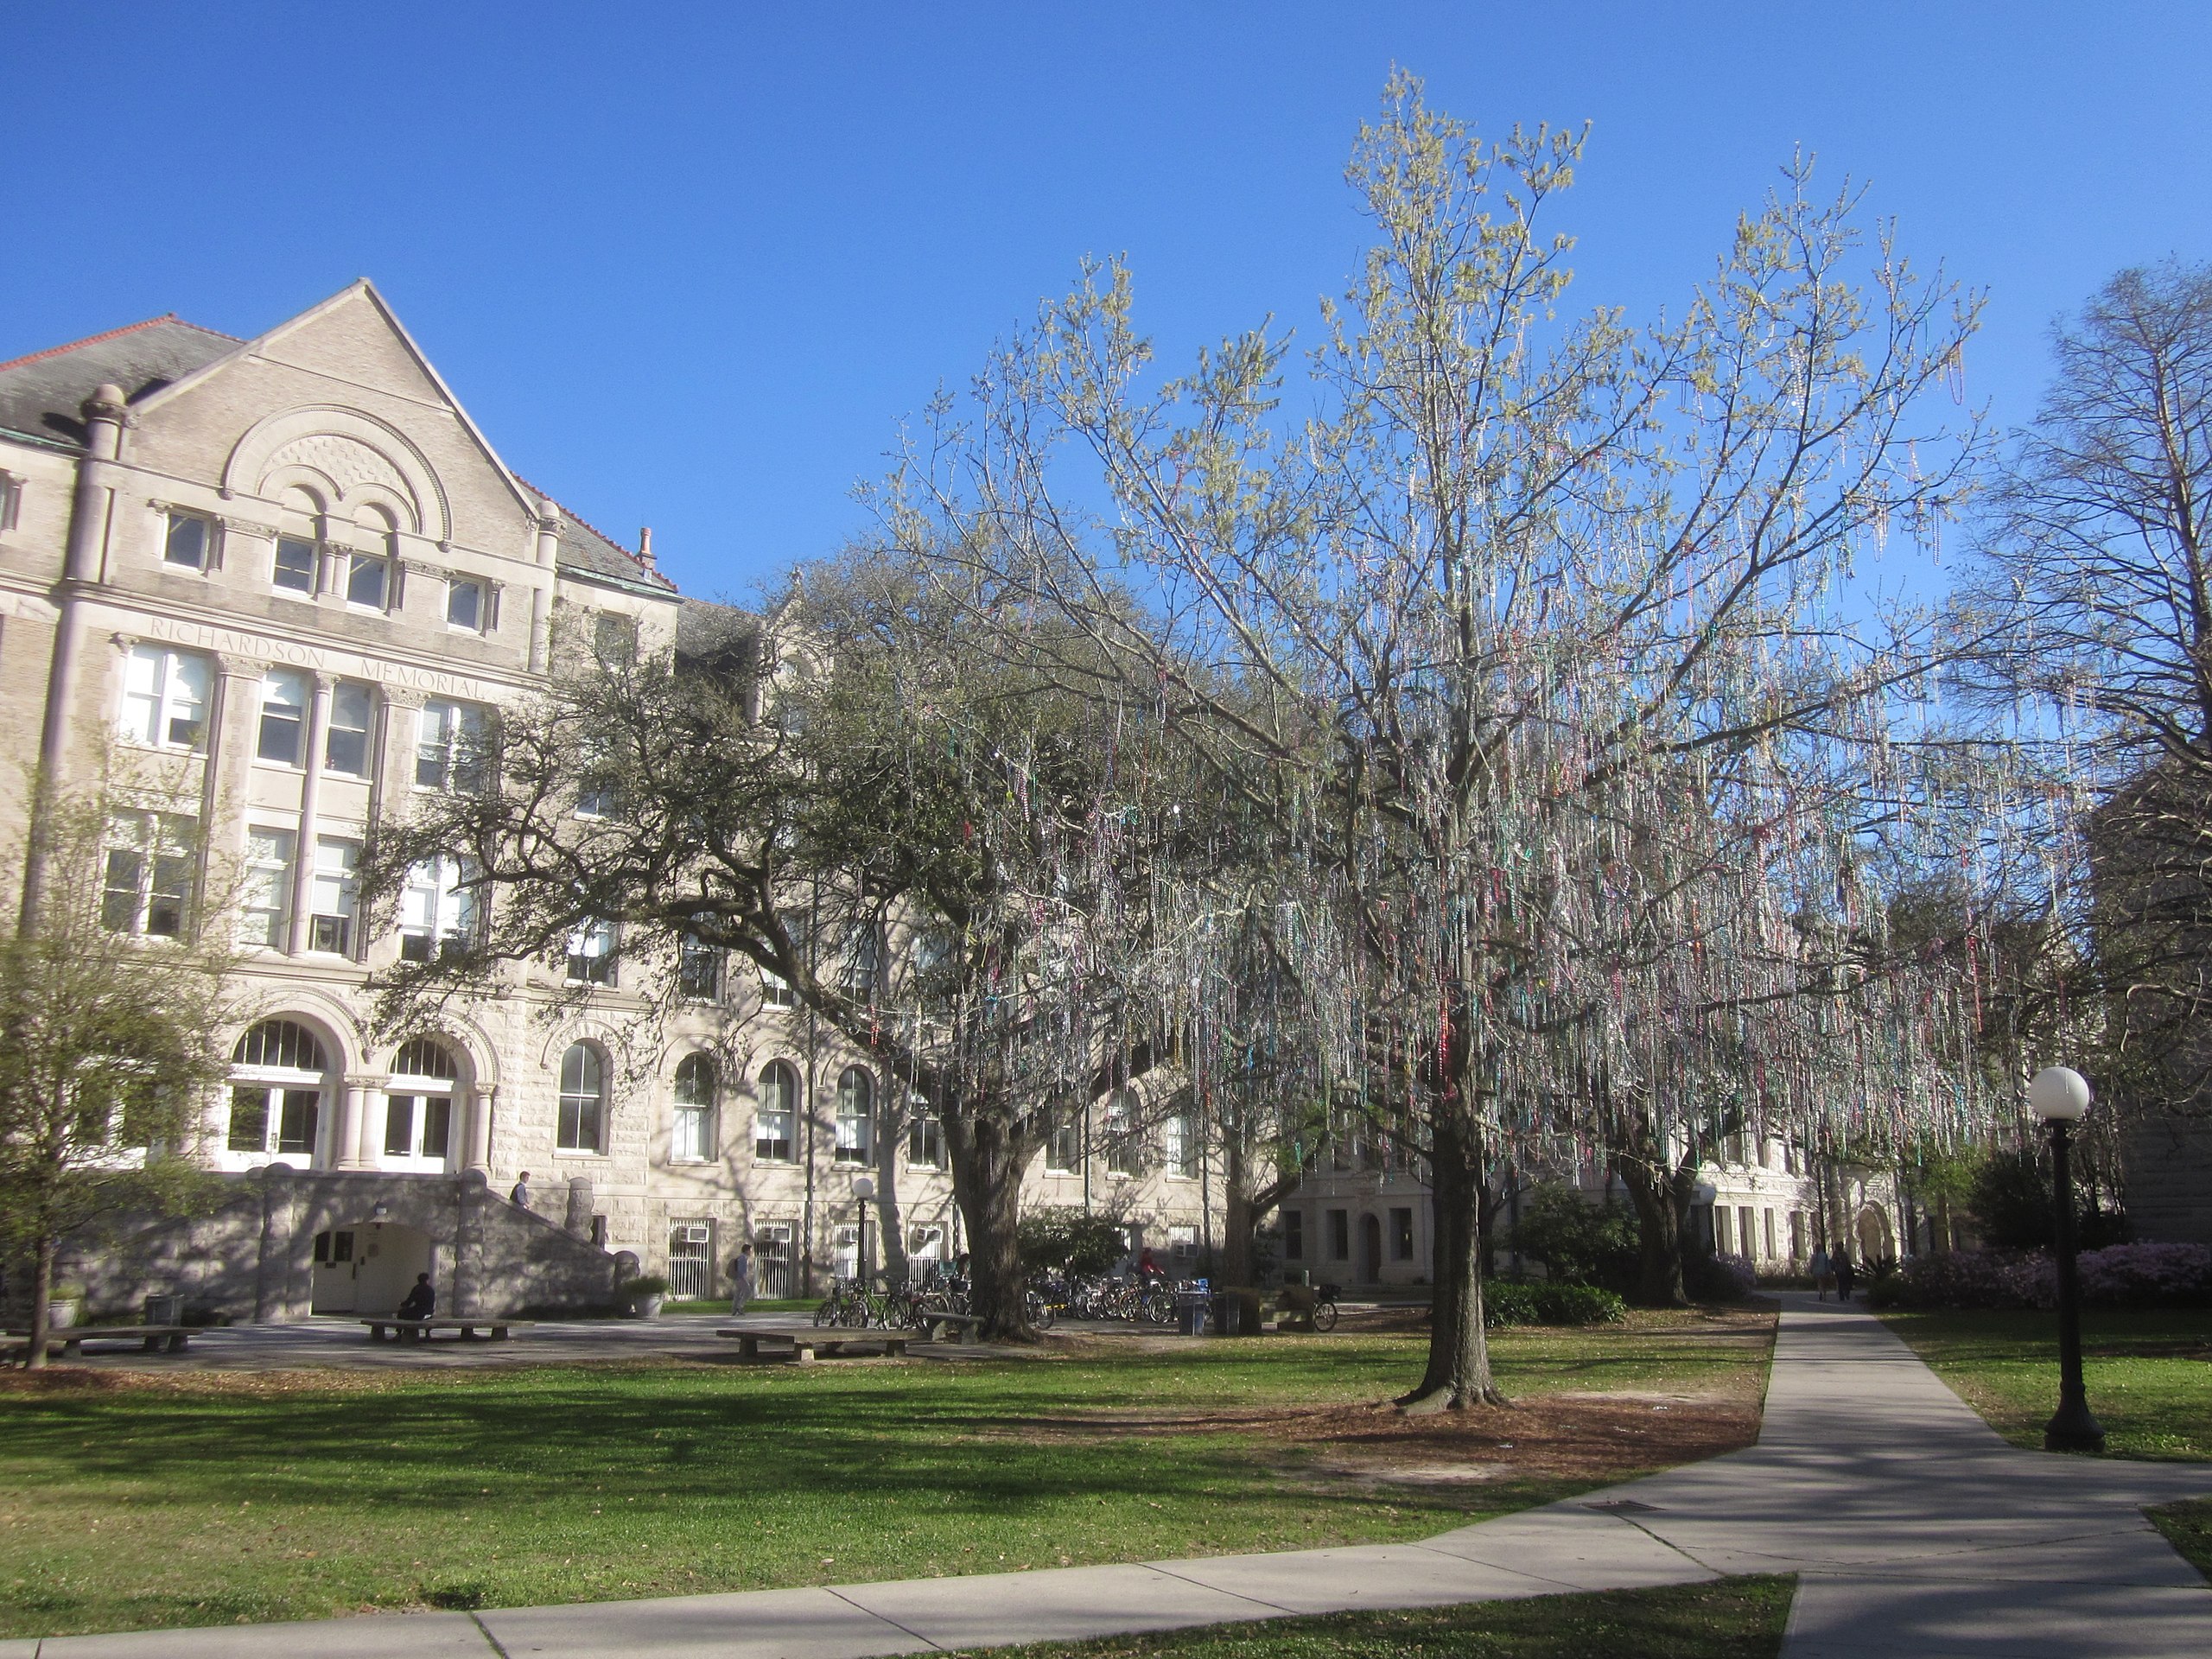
1513 1302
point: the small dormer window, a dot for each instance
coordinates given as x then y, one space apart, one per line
295 564
187 542
465 605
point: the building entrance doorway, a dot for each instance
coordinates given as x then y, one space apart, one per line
367 1268
1370 1250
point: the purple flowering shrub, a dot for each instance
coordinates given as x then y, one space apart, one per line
2120 1275
1720 1278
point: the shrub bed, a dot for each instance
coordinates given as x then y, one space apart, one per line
1520 1301
2120 1275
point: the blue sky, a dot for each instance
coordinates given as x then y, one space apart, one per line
691 266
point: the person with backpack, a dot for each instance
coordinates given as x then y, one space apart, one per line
1846 1274
741 1281
1819 1266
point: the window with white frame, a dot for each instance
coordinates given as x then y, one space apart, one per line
1182 1247
591 954
187 541
165 698
1064 1146
265 915
778 1113
277 1078
845 1252
1124 1148
1182 1145
294 570
465 606
336 892
437 910
859 961
855 1116
584 1099
449 745
284 695
147 874
925 1136
346 742
775 990
698 971
418 1102
692 1140
368 581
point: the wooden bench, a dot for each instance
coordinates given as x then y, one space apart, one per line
69 1339
946 1326
828 1342
495 1329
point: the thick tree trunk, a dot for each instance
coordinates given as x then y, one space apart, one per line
42 1305
989 1152
1236 1223
1659 1216
1459 1351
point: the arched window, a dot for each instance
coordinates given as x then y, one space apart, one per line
772 1129
584 1099
418 1102
855 1116
693 1141
276 1088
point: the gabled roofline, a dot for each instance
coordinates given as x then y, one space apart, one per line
360 285
111 334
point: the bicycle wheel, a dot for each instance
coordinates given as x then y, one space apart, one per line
1157 1307
1325 1316
1041 1313
827 1312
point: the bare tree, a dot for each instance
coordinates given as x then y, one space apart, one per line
1457 637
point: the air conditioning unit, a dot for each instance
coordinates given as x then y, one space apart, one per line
693 1233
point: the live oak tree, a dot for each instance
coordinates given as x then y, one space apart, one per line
108 1043
912 836
1463 635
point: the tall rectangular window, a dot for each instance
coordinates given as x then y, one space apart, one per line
1402 1234
266 913
187 541
449 745
294 568
337 895
778 1115
165 698
1339 1234
1063 1146
368 578
698 971
147 874
437 910
1746 1233
1183 1148
591 954
925 1141
1293 1235
284 717
465 605
346 744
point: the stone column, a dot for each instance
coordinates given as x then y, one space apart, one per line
541 596
233 709
479 1141
310 788
359 1124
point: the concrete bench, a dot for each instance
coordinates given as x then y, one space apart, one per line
69 1339
812 1341
495 1329
940 1326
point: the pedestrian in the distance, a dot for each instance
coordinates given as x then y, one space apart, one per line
520 1197
1846 1274
741 1279
1818 1264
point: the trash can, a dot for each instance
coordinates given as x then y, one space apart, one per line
165 1310
1191 1309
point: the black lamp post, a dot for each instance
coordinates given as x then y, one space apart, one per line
2060 1096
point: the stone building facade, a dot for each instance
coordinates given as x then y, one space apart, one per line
268 591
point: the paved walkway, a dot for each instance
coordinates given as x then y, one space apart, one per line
1915 1530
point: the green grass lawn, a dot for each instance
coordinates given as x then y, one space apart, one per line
1733 1618
129 1501
2148 1373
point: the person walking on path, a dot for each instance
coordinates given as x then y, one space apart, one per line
1820 1268
520 1197
1846 1274
741 1281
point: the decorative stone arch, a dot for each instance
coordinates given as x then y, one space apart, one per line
348 456
478 1053
330 1021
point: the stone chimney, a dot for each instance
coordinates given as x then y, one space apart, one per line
646 548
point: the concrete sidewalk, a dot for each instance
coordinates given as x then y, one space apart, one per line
1914 1528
